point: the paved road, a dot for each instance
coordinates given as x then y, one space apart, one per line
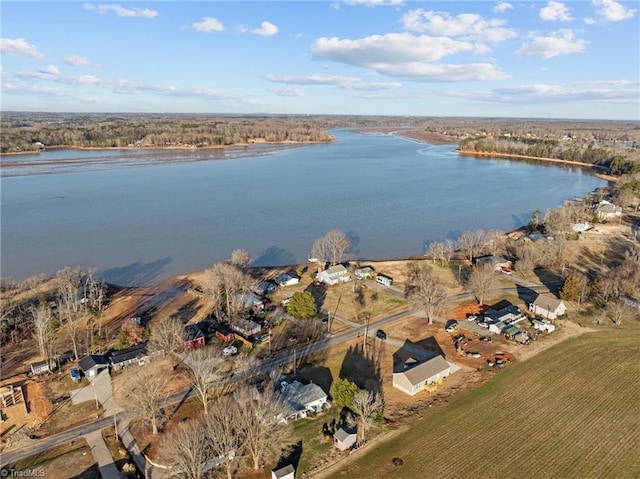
101 454
268 365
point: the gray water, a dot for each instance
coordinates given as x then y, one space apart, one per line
138 224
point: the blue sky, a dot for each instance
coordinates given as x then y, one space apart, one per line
546 59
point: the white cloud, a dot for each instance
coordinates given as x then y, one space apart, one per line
267 29
208 24
555 12
50 70
296 92
432 72
389 48
612 11
343 82
77 61
609 82
502 7
557 43
120 11
589 21
541 93
19 46
468 26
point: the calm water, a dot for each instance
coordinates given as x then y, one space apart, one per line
138 224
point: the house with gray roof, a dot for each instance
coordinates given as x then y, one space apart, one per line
548 306
334 275
92 365
606 211
299 399
413 375
286 472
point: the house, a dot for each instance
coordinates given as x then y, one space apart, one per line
249 301
606 211
42 367
334 275
192 337
265 287
286 472
93 364
548 306
364 272
412 376
344 438
246 327
497 328
288 278
133 355
384 279
495 262
224 334
509 314
299 399
544 325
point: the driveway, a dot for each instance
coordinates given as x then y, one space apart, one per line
100 390
101 454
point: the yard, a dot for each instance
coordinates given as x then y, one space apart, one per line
71 460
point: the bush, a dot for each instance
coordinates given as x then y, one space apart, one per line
302 306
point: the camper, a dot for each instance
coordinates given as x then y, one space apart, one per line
384 279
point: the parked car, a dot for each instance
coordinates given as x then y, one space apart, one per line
451 326
482 324
260 338
229 351
380 334
471 317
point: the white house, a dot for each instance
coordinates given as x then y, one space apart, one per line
334 275
496 328
288 278
92 365
364 272
548 306
581 227
299 399
414 375
545 325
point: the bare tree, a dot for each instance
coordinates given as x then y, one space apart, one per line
482 281
201 365
436 250
187 448
331 248
495 241
619 312
225 434
241 259
264 435
70 303
164 335
424 291
147 396
366 405
42 318
226 284
471 243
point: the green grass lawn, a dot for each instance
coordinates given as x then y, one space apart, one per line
569 412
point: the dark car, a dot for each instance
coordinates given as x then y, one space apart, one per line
380 334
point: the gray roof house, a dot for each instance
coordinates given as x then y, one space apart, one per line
334 275
496 262
364 272
92 365
344 438
548 306
136 354
287 278
301 398
606 210
412 376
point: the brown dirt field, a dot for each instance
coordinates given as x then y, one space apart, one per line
70 461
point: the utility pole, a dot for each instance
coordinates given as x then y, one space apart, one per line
335 312
366 333
95 393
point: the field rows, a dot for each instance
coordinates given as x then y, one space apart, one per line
571 411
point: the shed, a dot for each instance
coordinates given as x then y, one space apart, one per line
41 367
344 438
224 334
544 325
92 365
510 332
192 337
286 472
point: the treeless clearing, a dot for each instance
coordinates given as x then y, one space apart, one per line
71 460
561 414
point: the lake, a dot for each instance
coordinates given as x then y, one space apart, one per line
140 217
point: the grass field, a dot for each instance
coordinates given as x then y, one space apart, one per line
569 412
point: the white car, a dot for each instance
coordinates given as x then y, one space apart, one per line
482 324
472 317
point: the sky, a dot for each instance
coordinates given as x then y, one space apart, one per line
535 59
